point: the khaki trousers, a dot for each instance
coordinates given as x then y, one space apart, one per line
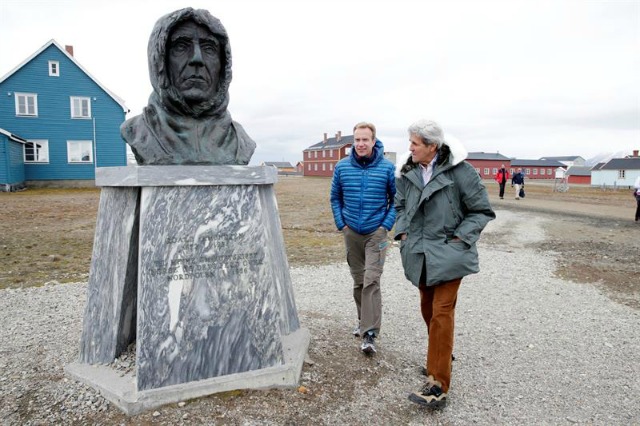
437 305
365 256
516 186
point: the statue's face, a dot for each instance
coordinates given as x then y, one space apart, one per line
194 62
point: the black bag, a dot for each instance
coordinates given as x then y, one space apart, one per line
521 194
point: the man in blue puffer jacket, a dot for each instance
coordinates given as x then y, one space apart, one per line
362 192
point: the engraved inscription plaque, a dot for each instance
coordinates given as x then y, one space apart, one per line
202 309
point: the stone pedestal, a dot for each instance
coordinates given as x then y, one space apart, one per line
189 261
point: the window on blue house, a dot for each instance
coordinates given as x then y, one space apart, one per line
80 107
79 151
27 104
54 68
36 151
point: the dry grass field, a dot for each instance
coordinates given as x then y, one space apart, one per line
47 234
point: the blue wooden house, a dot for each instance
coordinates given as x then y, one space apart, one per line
58 122
11 161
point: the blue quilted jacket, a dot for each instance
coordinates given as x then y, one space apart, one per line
362 195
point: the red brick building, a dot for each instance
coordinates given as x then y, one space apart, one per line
321 158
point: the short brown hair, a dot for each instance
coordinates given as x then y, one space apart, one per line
365 125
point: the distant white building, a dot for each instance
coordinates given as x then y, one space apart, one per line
570 160
617 172
283 167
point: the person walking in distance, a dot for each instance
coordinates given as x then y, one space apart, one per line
502 177
442 207
362 192
517 182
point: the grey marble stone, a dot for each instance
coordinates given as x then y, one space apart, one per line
214 294
281 278
185 175
208 298
110 315
120 389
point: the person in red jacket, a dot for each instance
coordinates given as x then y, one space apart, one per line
502 177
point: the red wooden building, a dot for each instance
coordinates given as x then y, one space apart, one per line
579 175
538 169
321 158
487 164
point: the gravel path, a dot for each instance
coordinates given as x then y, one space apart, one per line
530 349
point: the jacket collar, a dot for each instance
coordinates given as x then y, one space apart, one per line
438 180
378 153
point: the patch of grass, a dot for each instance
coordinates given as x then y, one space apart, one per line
47 234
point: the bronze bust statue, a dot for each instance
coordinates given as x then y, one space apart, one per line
186 120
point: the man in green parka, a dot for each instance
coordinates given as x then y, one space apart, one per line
442 206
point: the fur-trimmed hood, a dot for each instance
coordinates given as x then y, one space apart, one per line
454 153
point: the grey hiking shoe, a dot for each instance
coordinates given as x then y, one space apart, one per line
356 331
368 345
430 396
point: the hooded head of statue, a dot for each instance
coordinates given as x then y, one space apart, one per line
186 120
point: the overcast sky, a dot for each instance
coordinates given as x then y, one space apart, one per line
523 78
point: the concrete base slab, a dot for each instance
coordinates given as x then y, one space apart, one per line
121 391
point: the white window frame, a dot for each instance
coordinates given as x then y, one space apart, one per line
486 171
330 167
527 171
40 155
324 153
495 171
315 166
54 68
324 167
26 112
622 174
77 106
346 150
535 172
75 152
308 167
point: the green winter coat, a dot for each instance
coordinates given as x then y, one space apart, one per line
453 204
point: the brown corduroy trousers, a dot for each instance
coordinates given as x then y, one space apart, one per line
438 304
